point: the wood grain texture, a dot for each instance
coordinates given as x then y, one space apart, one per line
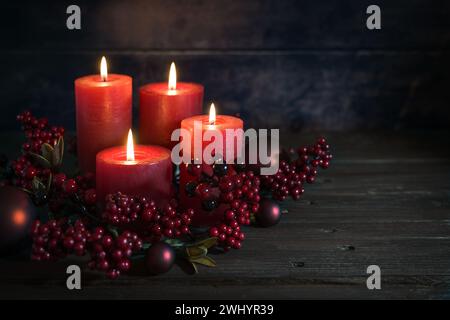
384 201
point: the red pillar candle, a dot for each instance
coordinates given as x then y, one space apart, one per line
218 123
162 106
104 111
135 170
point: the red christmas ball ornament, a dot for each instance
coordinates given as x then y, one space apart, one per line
16 217
269 213
160 258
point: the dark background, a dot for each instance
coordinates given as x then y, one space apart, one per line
294 64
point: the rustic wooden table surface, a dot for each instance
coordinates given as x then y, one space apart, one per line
385 201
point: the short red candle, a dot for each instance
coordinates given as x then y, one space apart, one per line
104 111
221 123
162 108
149 174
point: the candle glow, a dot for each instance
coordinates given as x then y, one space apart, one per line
130 146
172 77
103 69
212 114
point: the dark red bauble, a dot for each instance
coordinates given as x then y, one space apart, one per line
160 258
269 213
16 217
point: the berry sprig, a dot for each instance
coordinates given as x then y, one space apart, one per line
38 131
40 165
66 191
56 239
294 173
112 255
142 214
240 190
25 171
232 186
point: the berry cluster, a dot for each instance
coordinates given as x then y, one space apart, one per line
292 174
241 191
56 239
25 168
24 172
38 132
229 235
238 189
113 255
125 211
81 187
242 186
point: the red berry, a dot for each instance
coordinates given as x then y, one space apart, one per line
90 197
30 173
122 242
103 264
113 274
107 241
229 215
214 232
124 265
69 242
117 254
70 186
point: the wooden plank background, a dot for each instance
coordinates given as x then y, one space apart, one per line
295 64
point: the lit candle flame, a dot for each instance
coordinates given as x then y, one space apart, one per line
103 69
173 77
130 147
212 114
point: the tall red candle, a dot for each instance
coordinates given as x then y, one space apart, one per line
135 170
104 111
162 106
219 124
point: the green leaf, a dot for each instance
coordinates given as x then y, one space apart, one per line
146 245
49 182
206 261
113 230
194 267
37 184
207 243
40 160
47 151
61 148
174 242
58 152
196 252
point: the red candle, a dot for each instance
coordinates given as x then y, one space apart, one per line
103 108
135 170
162 106
219 124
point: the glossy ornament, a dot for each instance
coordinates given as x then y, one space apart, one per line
17 214
160 258
269 213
